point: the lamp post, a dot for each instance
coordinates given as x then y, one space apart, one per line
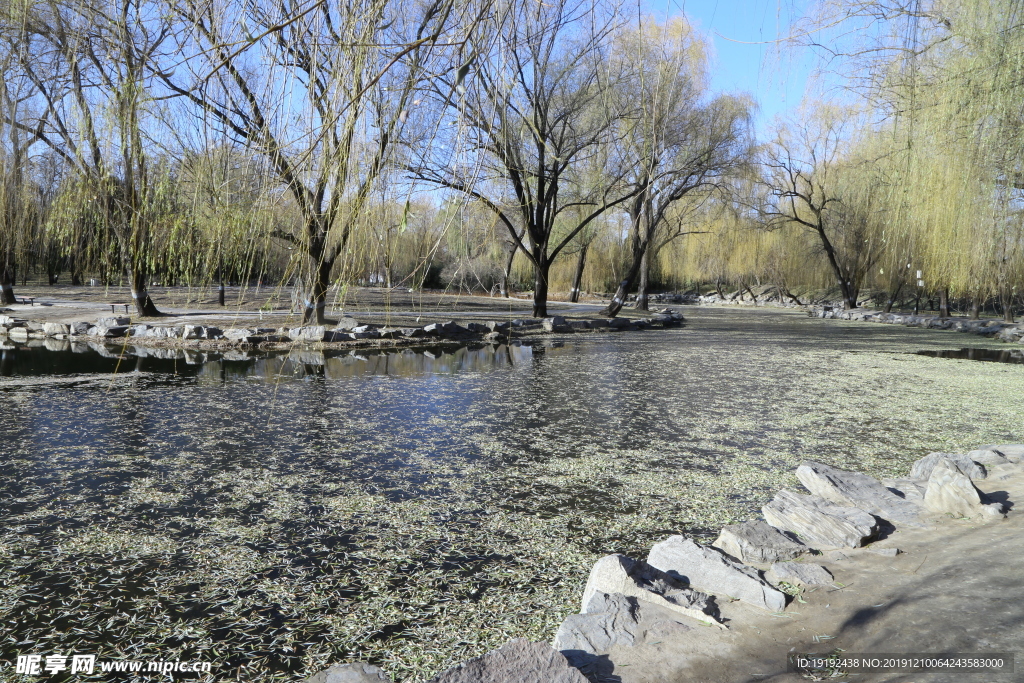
917 301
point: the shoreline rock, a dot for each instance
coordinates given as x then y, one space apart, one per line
347 333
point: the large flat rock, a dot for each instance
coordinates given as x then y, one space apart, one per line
711 570
799 574
858 490
818 522
634 578
615 622
757 541
517 661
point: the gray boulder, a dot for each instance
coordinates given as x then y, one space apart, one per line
710 569
55 329
240 334
609 620
858 490
799 574
346 324
194 332
308 333
358 672
1014 452
988 458
117 321
922 469
518 661
555 323
495 326
335 336
951 491
819 522
757 541
79 328
108 332
633 578
618 323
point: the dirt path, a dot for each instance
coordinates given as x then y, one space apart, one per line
266 308
958 587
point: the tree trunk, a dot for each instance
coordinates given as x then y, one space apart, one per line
1006 301
753 297
316 306
975 311
944 303
507 272
7 286
639 243
540 288
140 297
845 285
577 276
619 298
893 298
644 283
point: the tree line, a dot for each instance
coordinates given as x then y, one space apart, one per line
502 144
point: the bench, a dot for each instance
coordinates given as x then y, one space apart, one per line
30 300
113 306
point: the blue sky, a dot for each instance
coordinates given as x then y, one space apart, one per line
745 58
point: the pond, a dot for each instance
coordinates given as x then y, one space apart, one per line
275 514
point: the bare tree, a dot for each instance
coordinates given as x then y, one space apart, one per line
679 142
89 62
321 89
803 184
533 103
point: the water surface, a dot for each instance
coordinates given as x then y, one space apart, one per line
277 513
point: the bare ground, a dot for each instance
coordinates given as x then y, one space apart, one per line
271 306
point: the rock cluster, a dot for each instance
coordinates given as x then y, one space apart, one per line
1008 332
347 330
630 602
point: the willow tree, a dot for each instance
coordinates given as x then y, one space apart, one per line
944 80
811 179
89 61
679 141
321 90
15 204
515 122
